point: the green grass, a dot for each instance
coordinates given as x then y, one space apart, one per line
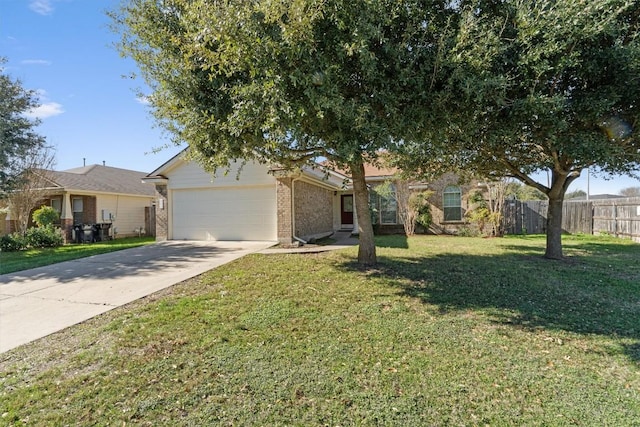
446 331
11 262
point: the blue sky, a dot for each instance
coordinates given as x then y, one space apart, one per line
63 49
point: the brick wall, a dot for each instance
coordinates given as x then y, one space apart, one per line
438 224
3 224
313 210
284 187
67 227
162 213
89 215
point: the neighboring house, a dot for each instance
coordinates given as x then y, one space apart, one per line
262 202
100 194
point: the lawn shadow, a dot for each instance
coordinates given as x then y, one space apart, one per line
526 291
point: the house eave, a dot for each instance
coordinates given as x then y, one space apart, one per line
169 164
157 179
80 192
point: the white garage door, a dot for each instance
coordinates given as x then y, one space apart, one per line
225 214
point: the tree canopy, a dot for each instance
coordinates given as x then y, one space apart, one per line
18 137
539 85
285 81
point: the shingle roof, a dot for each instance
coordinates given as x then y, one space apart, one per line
370 170
104 179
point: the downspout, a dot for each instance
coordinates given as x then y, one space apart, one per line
293 211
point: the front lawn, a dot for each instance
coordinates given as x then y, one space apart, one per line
11 262
446 331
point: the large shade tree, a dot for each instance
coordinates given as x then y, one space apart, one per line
284 81
548 85
18 136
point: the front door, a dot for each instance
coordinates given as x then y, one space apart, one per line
346 211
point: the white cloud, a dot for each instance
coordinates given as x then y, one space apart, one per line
47 109
144 100
41 7
35 62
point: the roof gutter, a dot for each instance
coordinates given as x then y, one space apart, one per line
155 179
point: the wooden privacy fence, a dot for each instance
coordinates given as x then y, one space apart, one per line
617 217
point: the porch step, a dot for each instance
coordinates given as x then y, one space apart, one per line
342 234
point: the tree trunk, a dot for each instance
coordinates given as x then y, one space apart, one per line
559 184
554 228
367 246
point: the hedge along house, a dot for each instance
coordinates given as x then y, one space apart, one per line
249 201
100 194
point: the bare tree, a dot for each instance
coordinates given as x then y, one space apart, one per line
32 186
497 195
407 214
630 192
489 205
409 205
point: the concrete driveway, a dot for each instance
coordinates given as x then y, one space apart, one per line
37 302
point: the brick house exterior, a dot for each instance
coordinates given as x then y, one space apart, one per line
251 201
313 208
390 223
439 224
248 202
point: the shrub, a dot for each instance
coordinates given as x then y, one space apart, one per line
467 232
12 243
45 216
419 202
43 237
479 216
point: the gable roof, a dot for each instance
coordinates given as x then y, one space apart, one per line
158 173
371 172
103 179
316 172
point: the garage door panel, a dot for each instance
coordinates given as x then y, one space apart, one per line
225 214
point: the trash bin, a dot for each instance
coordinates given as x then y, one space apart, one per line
87 233
96 232
101 232
77 234
104 231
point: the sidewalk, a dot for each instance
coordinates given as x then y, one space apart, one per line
343 239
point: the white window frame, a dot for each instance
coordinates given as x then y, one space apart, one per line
379 203
451 205
77 203
56 204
